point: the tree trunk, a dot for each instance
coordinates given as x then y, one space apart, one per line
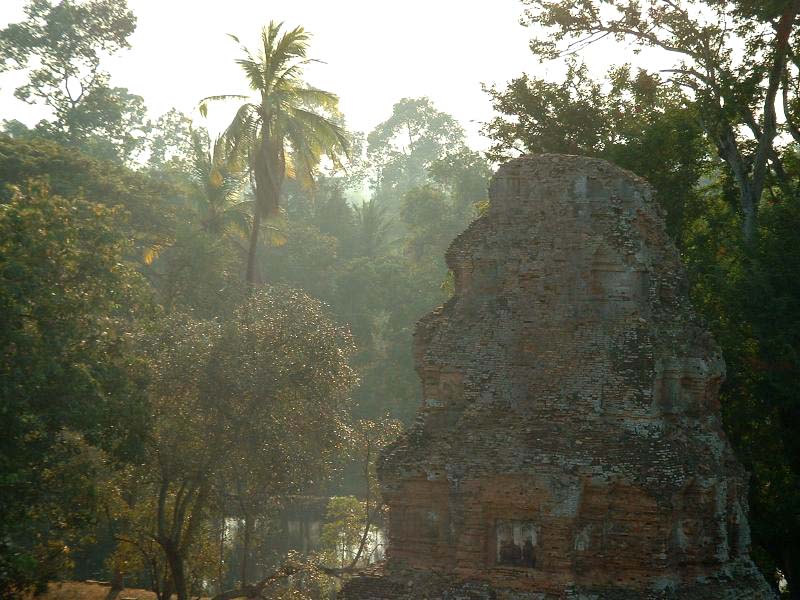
117 584
267 177
176 569
749 196
220 561
791 570
166 591
250 275
161 581
749 204
248 531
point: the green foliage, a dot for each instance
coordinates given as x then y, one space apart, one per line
402 148
431 224
372 229
379 263
69 373
287 130
171 142
109 124
67 38
342 530
307 260
60 46
282 373
350 534
198 272
150 204
197 268
332 213
734 93
464 177
249 408
634 120
220 176
751 299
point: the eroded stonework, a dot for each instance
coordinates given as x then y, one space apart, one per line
569 444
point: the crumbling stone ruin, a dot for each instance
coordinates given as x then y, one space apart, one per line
569 443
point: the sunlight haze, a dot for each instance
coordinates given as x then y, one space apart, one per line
374 54
351 299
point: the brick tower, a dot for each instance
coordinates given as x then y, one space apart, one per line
569 442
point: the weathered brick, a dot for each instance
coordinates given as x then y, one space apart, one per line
569 442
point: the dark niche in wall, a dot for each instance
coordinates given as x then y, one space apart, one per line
516 543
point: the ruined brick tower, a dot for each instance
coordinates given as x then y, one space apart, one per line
569 442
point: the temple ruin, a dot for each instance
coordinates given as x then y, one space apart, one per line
569 442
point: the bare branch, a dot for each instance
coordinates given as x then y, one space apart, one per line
793 128
783 31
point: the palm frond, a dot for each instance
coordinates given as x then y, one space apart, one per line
203 104
268 36
252 69
291 47
289 130
320 128
242 132
225 97
292 72
237 220
316 98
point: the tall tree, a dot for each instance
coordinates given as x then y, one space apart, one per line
69 373
170 143
289 127
262 396
402 148
736 93
61 46
372 228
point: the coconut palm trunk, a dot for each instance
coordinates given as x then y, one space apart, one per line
269 170
252 250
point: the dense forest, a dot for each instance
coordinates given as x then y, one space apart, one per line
201 332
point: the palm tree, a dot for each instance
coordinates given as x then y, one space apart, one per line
220 177
373 227
287 129
217 207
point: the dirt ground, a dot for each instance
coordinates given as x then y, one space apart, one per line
77 590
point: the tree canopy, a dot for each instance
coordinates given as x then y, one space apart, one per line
61 47
735 94
205 335
69 373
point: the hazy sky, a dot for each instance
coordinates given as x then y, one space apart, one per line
375 53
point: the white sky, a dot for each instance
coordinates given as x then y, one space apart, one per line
375 53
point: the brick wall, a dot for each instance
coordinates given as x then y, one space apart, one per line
569 438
